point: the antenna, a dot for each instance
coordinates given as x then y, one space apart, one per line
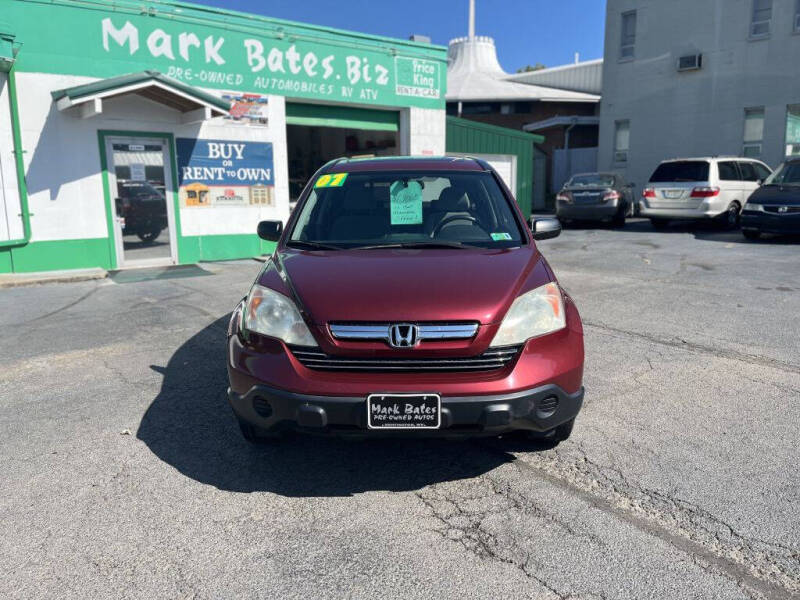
471 19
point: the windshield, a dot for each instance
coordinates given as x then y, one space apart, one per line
591 180
683 170
786 174
137 190
394 208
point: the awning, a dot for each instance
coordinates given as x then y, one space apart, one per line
196 105
561 122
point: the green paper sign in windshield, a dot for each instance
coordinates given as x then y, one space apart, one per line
406 203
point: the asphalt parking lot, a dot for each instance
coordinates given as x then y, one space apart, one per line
124 474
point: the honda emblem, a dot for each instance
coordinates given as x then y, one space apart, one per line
403 335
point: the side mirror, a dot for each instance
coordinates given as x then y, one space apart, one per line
544 229
760 181
631 185
270 230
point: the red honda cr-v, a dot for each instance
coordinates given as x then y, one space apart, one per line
406 296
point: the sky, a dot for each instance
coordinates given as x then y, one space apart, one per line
525 31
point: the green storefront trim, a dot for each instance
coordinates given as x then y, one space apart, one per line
198 248
234 51
346 117
55 255
465 136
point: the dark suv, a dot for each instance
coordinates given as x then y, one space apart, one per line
406 296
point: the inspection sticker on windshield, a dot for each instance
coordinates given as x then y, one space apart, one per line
405 201
331 180
497 237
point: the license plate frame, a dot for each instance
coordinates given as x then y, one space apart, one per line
389 400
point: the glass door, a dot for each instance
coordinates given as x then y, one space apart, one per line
141 186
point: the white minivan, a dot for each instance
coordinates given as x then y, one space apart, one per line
701 188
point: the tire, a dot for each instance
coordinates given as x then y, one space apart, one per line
564 430
659 223
254 435
619 219
751 234
553 437
730 218
149 236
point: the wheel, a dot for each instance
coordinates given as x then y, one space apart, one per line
149 236
730 218
751 234
254 435
554 436
564 430
659 223
619 219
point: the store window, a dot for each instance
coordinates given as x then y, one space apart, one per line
621 140
761 18
628 37
753 131
793 130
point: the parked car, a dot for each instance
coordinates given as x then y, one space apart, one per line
701 188
775 206
406 296
144 209
595 197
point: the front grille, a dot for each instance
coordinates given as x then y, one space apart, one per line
777 209
492 359
425 331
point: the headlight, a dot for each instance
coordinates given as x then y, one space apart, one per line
753 206
273 314
535 313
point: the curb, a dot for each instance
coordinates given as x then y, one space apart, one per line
27 279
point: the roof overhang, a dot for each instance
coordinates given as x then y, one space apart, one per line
561 122
87 100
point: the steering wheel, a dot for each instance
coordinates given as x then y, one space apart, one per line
452 218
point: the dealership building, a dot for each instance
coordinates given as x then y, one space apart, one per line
159 133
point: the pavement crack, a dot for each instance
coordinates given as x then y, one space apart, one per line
770 568
683 344
466 520
62 309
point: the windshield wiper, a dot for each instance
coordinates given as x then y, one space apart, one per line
431 244
311 245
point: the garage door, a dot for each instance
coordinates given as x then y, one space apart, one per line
504 164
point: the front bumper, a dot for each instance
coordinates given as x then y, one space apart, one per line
274 410
766 222
272 389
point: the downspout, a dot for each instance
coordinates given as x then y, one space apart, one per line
16 135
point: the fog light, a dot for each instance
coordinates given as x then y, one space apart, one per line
262 407
547 407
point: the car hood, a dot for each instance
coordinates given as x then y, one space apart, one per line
776 194
412 285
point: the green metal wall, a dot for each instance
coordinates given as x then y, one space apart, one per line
470 137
